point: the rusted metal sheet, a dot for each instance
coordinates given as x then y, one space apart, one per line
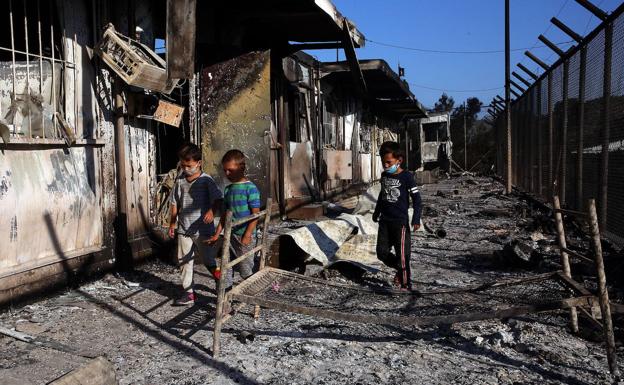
236 113
169 113
339 164
181 38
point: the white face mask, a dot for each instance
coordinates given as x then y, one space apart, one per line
191 171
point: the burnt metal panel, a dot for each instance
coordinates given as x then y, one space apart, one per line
52 202
236 113
181 38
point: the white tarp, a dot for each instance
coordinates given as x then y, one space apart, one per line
348 238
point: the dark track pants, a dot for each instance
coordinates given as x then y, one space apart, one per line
395 235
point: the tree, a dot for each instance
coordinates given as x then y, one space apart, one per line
444 104
468 111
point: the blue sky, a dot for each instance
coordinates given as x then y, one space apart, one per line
459 25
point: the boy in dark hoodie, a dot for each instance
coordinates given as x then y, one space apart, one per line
391 211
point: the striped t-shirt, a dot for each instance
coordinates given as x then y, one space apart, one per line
240 198
193 199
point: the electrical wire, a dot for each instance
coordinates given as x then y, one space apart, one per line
449 90
536 70
454 52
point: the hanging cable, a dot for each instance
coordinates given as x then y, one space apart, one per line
449 90
455 52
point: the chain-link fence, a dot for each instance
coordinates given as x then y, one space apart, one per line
567 129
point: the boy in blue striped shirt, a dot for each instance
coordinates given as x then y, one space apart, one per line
242 198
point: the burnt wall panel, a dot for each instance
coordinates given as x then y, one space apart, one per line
236 113
52 205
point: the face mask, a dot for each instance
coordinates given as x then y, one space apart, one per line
191 171
392 169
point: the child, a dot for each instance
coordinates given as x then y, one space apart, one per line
243 199
194 196
397 185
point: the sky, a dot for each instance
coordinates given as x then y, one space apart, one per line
460 25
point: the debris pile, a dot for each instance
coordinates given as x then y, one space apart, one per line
485 230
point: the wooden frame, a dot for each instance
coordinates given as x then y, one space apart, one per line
566 277
224 300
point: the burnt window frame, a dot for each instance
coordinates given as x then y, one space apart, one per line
28 18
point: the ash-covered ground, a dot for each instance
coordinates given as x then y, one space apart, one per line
128 318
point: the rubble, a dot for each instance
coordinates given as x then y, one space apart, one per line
148 341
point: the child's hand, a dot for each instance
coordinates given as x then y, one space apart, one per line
208 217
417 227
212 239
246 239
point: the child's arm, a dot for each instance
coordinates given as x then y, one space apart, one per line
172 220
173 202
218 230
216 197
377 208
412 188
251 226
253 200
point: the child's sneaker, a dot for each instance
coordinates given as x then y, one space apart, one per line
397 279
216 272
187 299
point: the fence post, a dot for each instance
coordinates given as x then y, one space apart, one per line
564 133
604 161
531 126
540 160
551 123
526 135
581 125
507 100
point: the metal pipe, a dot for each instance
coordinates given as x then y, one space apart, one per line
564 133
599 13
12 52
517 86
528 71
40 63
540 157
508 98
581 127
531 128
27 69
567 30
536 60
606 128
551 128
74 42
551 45
56 130
523 80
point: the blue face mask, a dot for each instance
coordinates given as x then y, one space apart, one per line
392 169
